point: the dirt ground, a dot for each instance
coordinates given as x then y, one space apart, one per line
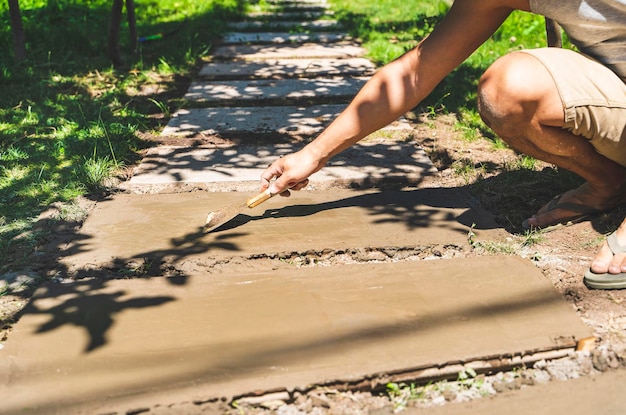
492 175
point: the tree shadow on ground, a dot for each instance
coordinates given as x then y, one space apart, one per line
80 304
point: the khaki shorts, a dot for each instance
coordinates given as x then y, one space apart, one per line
594 99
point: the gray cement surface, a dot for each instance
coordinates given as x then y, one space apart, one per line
121 344
272 89
238 122
338 50
238 168
287 68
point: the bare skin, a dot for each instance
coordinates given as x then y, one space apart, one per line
519 101
605 261
517 98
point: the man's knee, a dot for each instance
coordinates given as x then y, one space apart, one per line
512 89
502 90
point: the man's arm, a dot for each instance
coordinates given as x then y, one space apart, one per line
396 88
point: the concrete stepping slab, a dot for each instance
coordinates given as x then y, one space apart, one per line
294 8
298 25
291 15
120 345
287 68
282 37
308 50
298 2
262 90
373 162
287 5
166 229
240 121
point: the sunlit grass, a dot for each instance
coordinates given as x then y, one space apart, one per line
68 119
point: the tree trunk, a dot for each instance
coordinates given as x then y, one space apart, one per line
17 28
114 33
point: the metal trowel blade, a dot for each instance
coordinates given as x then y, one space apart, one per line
216 219
219 217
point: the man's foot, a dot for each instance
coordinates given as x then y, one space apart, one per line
608 268
575 206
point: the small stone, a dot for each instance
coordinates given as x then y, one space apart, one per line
599 361
499 386
320 400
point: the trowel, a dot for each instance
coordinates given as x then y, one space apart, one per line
219 217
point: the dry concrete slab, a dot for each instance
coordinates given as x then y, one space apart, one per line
263 90
238 168
316 25
308 50
297 3
302 14
287 68
282 37
295 7
165 230
125 346
278 120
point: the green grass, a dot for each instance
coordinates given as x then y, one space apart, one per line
389 28
68 119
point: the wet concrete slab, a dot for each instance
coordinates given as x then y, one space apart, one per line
239 168
272 89
278 120
282 37
307 50
286 68
166 229
96 346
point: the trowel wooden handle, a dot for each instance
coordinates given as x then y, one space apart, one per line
258 199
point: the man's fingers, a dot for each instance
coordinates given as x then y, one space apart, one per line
300 185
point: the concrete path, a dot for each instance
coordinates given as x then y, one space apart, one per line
343 284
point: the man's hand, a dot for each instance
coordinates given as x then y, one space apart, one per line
291 172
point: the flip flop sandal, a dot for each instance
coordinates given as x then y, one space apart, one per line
583 213
607 281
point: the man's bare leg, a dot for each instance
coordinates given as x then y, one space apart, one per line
519 101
